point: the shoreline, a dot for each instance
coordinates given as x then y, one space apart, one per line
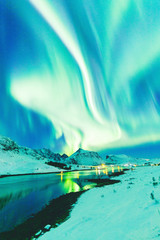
53 214
63 170
41 173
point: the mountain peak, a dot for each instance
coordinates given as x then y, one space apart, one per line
80 150
85 157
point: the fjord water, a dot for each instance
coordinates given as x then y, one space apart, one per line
23 196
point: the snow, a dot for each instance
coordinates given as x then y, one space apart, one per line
123 211
15 163
128 210
123 159
84 157
15 159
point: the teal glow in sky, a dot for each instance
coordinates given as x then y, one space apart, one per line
82 73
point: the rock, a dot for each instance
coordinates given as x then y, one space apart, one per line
47 227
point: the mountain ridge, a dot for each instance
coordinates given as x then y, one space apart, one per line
16 159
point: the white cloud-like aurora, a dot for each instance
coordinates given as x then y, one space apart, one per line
97 80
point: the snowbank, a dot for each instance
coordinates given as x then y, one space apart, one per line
126 211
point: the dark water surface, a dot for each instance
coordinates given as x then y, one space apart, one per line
23 196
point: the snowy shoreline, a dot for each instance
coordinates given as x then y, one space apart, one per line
53 214
61 170
26 174
128 210
42 173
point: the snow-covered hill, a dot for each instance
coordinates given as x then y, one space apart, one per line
15 159
127 160
84 157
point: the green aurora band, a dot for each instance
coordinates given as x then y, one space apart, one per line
83 73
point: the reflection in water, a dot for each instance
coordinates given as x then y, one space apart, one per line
21 197
61 176
77 174
71 186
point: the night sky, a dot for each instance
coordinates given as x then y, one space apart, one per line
81 73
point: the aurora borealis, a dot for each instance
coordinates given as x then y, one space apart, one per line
82 73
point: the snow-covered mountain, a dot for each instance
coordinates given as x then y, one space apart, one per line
84 157
47 153
15 159
123 159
